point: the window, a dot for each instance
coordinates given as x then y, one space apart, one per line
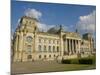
39 40
57 49
54 55
39 56
29 48
50 56
44 56
44 48
49 48
29 57
39 48
82 43
53 48
77 41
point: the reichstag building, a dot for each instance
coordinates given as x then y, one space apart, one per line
31 44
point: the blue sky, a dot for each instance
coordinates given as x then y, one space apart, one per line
56 14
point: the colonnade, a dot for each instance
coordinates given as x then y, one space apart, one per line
72 46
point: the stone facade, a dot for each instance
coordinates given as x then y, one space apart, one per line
30 44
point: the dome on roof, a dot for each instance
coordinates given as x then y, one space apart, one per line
53 30
56 29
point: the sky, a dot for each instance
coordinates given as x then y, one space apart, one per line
71 17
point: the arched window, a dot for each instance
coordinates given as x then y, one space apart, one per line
44 48
53 48
54 55
39 40
49 48
29 48
29 57
45 56
50 56
39 48
57 49
39 56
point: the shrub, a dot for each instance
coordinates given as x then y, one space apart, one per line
87 60
67 61
70 61
74 61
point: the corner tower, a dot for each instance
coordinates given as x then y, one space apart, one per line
24 39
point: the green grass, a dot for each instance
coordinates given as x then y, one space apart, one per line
19 68
38 67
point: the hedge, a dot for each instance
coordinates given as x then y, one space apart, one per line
70 61
85 61
88 60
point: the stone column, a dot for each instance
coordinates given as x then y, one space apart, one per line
77 46
20 47
66 46
73 46
34 43
69 46
61 46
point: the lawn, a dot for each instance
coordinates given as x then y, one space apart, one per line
30 67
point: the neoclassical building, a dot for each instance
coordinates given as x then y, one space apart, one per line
31 44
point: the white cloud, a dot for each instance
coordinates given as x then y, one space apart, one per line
33 13
44 27
37 14
87 23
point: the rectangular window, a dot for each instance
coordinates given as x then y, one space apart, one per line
29 48
57 49
53 48
39 48
39 40
44 48
49 48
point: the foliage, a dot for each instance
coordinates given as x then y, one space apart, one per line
86 60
